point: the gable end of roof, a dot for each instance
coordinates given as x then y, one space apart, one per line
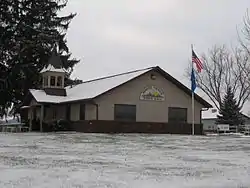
182 87
166 76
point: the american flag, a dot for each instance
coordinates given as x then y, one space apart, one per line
197 61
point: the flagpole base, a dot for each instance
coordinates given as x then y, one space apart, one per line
193 128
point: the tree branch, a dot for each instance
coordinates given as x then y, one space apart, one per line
223 68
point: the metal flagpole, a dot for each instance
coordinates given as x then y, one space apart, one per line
192 113
192 98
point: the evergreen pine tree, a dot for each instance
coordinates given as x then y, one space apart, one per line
28 32
229 112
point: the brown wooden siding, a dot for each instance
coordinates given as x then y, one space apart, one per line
134 127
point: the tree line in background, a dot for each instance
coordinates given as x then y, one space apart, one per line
225 77
28 32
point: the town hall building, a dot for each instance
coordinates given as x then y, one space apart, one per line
146 101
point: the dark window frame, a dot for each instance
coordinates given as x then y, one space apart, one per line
54 81
54 112
175 119
82 111
120 115
68 112
59 81
45 81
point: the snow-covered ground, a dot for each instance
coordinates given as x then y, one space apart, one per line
122 161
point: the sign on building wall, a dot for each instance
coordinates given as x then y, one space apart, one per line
152 94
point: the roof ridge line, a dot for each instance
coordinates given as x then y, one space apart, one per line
114 75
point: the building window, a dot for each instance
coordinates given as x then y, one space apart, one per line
45 112
124 112
177 115
54 113
82 111
52 80
68 111
45 80
59 81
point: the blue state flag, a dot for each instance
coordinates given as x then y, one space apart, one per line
193 82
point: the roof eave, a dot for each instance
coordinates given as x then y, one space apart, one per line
74 101
204 103
183 87
209 118
149 69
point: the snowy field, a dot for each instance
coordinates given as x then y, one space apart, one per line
122 161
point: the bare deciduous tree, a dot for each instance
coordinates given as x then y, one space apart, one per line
245 39
223 68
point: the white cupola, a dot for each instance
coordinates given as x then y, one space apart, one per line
53 75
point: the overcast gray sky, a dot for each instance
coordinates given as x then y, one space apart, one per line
119 35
